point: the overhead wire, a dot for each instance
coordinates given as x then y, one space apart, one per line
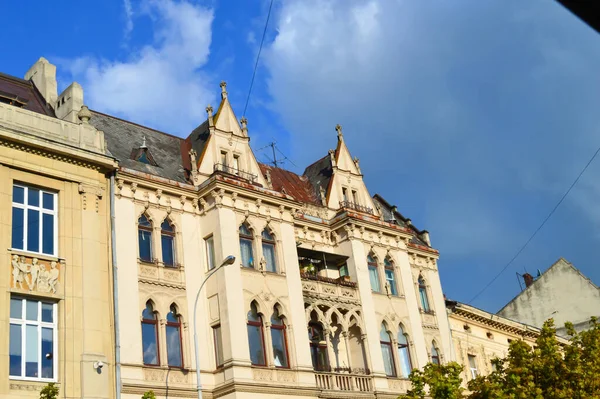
538 229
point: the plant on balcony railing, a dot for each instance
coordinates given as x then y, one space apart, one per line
356 207
339 281
344 370
219 167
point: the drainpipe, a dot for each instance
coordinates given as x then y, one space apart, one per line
113 247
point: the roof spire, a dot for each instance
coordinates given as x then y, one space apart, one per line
144 146
338 129
223 89
244 123
209 111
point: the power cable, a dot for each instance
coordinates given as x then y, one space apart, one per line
538 229
258 57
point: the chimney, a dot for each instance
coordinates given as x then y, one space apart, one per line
528 279
69 103
424 235
43 75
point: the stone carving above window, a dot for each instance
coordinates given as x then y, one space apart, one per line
34 275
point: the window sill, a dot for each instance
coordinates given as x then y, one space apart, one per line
33 379
38 255
264 272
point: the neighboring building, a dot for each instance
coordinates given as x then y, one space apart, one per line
55 318
562 292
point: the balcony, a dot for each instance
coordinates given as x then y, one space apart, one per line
344 382
219 167
356 207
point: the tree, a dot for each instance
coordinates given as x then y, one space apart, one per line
50 391
149 395
547 370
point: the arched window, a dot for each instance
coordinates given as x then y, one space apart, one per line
390 276
404 353
423 295
268 247
318 346
435 354
150 336
246 246
373 274
167 240
174 347
279 340
256 339
145 238
386 351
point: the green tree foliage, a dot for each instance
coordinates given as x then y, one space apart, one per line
50 391
149 395
547 370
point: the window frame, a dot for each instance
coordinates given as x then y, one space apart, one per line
149 229
41 210
435 359
388 266
280 327
172 233
261 328
23 322
317 346
406 346
372 265
424 297
473 367
218 343
179 326
210 252
155 323
387 344
250 239
269 242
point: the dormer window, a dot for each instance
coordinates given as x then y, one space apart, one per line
142 154
11 99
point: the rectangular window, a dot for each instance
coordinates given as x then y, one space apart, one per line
210 252
355 196
32 339
344 194
389 277
34 220
246 251
374 277
218 345
344 270
473 366
269 255
224 158
236 164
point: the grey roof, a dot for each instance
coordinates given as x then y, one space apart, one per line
319 174
391 215
122 137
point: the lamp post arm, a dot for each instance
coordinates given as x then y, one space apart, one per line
198 383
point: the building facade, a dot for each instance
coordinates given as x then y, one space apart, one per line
55 318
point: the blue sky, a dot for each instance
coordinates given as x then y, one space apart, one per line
472 117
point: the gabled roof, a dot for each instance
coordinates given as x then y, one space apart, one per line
289 183
24 91
197 141
123 136
391 215
319 174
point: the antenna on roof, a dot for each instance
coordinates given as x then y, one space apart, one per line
274 150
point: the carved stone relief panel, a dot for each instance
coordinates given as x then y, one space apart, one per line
32 274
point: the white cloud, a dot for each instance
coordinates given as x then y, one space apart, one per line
162 84
128 17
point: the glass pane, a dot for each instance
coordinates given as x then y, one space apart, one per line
31 310
321 358
149 343
174 346
47 353
389 276
279 348
210 251
48 234
266 235
47 312
16 308
388 361
167 250
48 201
244 230
172 316
18 194
424 301
269 254
344 270
405 366
218 345
15 350
253 313
275 319
148 313
165 226
387 263
33 196
32 351
33 230
383 334
401 337
18 223
246 251
374 277
143 221
145 241
257 355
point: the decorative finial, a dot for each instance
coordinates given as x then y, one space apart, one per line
84 114
338 129
209 110
244 123
143 146
223 89
332 158
357 164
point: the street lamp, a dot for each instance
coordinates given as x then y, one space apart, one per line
227 261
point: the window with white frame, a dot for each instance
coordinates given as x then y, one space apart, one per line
473 366
210 252
34 220
32 339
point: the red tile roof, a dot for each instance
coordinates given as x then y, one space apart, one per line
291 184
24 91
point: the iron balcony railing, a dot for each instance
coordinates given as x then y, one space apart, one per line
219 167
356 207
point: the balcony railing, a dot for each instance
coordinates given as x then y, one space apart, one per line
219 167
344 280
356 207
344 382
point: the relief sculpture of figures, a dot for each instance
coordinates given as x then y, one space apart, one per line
20 271
53 277
36 276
